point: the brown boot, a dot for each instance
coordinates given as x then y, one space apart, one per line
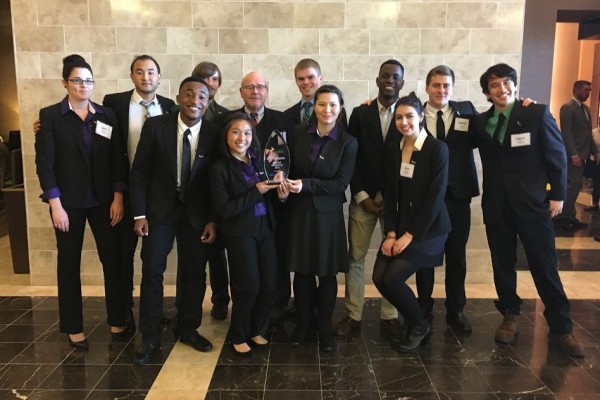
567 344
508 330
347 326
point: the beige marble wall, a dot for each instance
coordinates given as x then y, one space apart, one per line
349 38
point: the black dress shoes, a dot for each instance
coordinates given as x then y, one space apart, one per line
124 336
297 337
219 312
458 321
81 345
146 353
197 341
415 336
327 343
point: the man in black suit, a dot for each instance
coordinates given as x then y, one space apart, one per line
217 263
576 129
449 122
170 199
373 128
308 77
132 108
521 151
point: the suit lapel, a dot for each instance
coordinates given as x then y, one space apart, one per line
201 150
170 137
514 124
374 121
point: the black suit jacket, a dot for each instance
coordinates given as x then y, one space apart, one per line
235 199
153 177
420 208
271 120
119 103
62 161
215 112
369 171
462 174
328 180
518 175
293 113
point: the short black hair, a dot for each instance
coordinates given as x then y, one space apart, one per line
192 79
74 61
144 57
579 84
499 71
229 120
330 89
393 62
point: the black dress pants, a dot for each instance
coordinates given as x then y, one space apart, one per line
128 243
217 269
69 246
305 287
192 256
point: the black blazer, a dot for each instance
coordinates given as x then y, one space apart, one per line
420 209
462 174
215 112
234 198
328 180
62 162
153 177
119 103
369 172
293 113
519 174
272 119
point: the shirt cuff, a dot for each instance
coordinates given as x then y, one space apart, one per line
120 187
139 217
50 194
360 196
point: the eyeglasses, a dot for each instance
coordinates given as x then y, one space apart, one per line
79 81
251 88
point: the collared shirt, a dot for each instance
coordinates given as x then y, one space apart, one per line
260 114
431 118
318 142
251 177
137 117
418 142
385 117
193 138
490 125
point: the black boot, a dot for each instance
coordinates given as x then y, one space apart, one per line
415 336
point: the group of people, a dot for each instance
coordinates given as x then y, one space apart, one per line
143 166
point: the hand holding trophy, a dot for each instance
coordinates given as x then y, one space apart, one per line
276 158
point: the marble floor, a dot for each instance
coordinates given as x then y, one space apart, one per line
37 363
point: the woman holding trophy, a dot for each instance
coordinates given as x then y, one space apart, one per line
242 198
322 162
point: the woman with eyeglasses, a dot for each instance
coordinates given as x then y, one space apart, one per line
82 170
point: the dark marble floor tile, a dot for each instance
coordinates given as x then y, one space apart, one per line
440 354
570 380
525 396
49 303
98 354
466 396
386 355
351 395
402 379
347 378
293 377
8 316
38 317
8 351
239 377
12 394
44 353
456 379
293 395
346 354
513 380
43 394
122 377
285 354
571 396
236 395
74 377
117 394
24 376
21 303
587 319
22 333
392 395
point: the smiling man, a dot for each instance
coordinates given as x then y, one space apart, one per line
521 151
449 122
170 199
371 125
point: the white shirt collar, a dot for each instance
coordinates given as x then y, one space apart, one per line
137 99
181 127
419 142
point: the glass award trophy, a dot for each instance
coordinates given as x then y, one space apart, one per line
276 158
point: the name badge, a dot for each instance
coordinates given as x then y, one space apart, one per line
103 129
407 170
461 124
520 139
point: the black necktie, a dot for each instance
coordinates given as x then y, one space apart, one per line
499 124
585 112
439 126
254 118
306 113
185 164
